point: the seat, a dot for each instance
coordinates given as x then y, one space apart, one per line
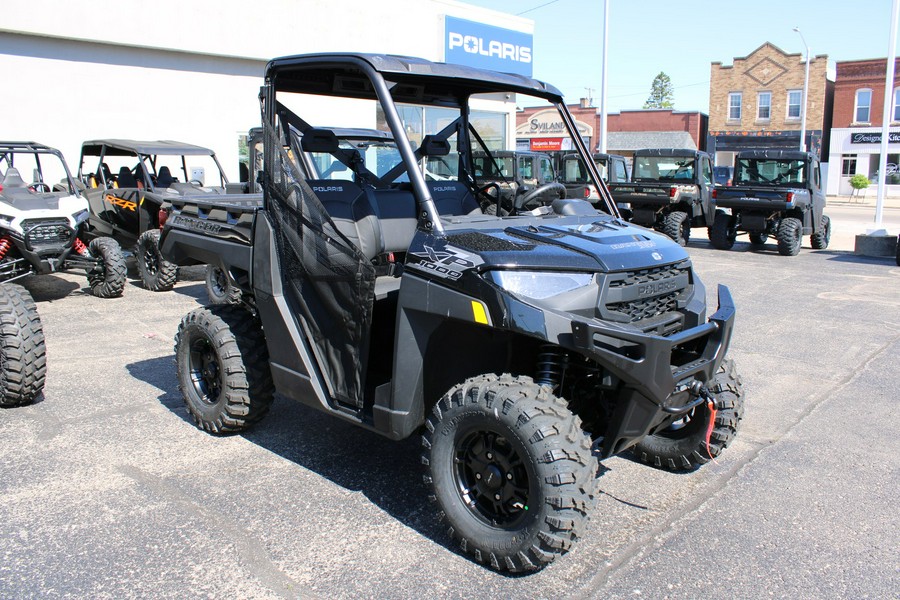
396 210
12 179
351 211
125 179
453 198
164 178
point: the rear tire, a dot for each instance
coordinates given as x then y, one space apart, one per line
107 279
790 234
677 226
157 274
219 287
819 239
723 232
23 354
511 470
682 446
223 368
758 238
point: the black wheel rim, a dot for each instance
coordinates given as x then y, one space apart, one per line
220 283
205 370
492 478
150 261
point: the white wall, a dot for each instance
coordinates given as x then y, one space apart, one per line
186 70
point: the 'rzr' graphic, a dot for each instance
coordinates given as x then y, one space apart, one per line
449 263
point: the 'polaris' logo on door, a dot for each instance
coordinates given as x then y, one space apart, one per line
330 188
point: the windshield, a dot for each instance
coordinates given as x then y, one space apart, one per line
40 171
494 167
663 168
770 171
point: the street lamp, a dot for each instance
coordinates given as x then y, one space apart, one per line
805 92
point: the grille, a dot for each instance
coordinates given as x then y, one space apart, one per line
47 233
649 275
638 310
643 296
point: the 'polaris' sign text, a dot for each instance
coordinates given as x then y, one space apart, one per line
487 47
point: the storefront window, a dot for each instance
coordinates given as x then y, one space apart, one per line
764 108
848 165
863 104
794 100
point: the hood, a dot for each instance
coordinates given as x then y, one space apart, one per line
576 243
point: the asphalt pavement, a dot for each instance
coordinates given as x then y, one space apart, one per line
108 490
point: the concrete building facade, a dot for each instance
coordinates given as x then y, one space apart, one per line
756 103
855 145
191 71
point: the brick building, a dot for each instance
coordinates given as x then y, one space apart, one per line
628 130
631 130
855 145
756 103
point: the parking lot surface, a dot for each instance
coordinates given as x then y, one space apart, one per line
107 490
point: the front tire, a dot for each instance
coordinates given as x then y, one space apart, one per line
677 226
219 287
682 446
223 368
510 469
790 234
723 231
23 355
820 239
157 274
107 279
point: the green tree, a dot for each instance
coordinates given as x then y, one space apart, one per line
661 94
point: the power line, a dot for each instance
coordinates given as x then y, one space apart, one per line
536 7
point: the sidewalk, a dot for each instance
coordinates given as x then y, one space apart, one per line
868 199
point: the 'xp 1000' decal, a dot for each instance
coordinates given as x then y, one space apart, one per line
449 262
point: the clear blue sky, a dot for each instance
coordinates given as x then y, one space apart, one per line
682 38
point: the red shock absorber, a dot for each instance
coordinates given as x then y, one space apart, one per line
80 248
4 246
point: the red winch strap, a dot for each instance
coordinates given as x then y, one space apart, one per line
712 424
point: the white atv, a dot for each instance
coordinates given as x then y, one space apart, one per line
40 227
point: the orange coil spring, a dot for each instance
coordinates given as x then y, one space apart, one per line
80 248
4 246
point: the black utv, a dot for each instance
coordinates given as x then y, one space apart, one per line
776 193
520 349
126 183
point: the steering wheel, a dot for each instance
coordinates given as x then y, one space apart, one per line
40 187
546 189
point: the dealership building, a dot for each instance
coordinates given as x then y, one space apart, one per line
191 71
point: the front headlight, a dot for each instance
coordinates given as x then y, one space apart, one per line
6 220
81 216
540 284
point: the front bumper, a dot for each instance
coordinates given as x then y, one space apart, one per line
658 372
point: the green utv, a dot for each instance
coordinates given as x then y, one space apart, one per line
521 349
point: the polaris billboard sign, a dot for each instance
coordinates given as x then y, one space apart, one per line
487 47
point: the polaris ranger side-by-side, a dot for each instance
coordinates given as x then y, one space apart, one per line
775 193
511 345
574 175
522 180
670 190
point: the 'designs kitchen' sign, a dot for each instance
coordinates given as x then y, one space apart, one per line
874 138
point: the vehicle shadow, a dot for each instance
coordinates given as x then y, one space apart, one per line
850 257
47 288
388 473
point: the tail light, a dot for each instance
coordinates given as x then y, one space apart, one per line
715 194
587 192
672 192
163 217
790 197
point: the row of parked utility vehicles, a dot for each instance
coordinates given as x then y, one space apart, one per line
373 282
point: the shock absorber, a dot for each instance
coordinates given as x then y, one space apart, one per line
80 248
4 246
551 366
